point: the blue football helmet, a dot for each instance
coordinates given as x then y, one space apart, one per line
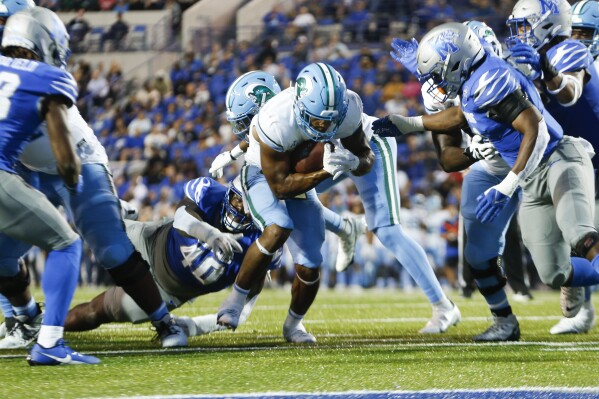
585 21
487 36
233 215
320 102
9 7
537 22
41 31
246 96
445 56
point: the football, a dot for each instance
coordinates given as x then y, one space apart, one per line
307 157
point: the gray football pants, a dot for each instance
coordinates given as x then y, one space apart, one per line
557 210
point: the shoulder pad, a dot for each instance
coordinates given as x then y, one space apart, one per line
569 56
493 86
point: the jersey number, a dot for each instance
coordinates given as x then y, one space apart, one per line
8 85
208 271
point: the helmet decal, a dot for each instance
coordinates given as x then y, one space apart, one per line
445 43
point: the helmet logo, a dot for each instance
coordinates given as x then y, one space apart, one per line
259 94
445 43
303 86
549 5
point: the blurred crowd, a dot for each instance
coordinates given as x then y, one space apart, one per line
161 132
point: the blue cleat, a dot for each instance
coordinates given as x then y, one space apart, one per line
58 355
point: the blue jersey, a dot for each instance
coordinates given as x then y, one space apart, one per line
23 85
488 85
191 260
581 119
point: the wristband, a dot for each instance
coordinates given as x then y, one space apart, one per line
236 152
509 185
561 87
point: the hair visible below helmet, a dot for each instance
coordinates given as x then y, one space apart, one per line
246 96
537 22
40 31
234 219
585 17
320 99
445 56
487 36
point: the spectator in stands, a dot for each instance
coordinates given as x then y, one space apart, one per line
449 232
106 5
78 28
356 22
275 22
303 20
176 16
121 6
117 33
98 87
140 125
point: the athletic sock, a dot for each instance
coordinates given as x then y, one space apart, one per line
159 313
293 320
333 222
6 307
49 335
30 309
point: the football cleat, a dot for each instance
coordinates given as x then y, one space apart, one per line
198 325
442 319
58 355
3 329
24 332
347 242
581 323
571 300
298 335
229 313
502 329
170 334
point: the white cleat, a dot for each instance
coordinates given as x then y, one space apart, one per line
347 242
299 335
3 330
170 334
581 323
442 319
571 300
199 325
20 336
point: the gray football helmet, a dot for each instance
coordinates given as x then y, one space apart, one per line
445 55
536 22
41 31
488 37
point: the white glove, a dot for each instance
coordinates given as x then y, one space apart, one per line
480 149
224 244
340 161
223 160
128 211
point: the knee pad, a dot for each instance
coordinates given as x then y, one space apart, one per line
552 278
587 242
17 284
129 272
494 270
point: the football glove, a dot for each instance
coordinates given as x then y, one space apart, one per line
404 52
395 125
523 53
338 162
223 160
480 149
224 244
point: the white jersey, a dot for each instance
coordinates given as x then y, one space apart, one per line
276 126
496 165
38 155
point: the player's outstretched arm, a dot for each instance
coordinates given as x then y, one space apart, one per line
443 121
67 161
227 158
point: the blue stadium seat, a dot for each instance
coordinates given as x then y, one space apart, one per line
94 39
137 38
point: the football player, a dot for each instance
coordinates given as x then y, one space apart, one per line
382 214
196 253
554 171
283 204
35 89
564 71
245 97
96 213
485 242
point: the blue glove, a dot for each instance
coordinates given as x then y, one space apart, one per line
383 127
404 52
523 53
490 204
78 189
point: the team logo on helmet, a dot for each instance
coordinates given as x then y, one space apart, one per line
445 43
259 93
549 5
303 86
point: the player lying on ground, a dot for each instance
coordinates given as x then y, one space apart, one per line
197 253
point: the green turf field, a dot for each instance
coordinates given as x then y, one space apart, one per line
367 340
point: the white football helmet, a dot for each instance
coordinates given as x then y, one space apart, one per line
320 102
488 37
233 217
445 55
246 96
41 31
536 22
585 19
